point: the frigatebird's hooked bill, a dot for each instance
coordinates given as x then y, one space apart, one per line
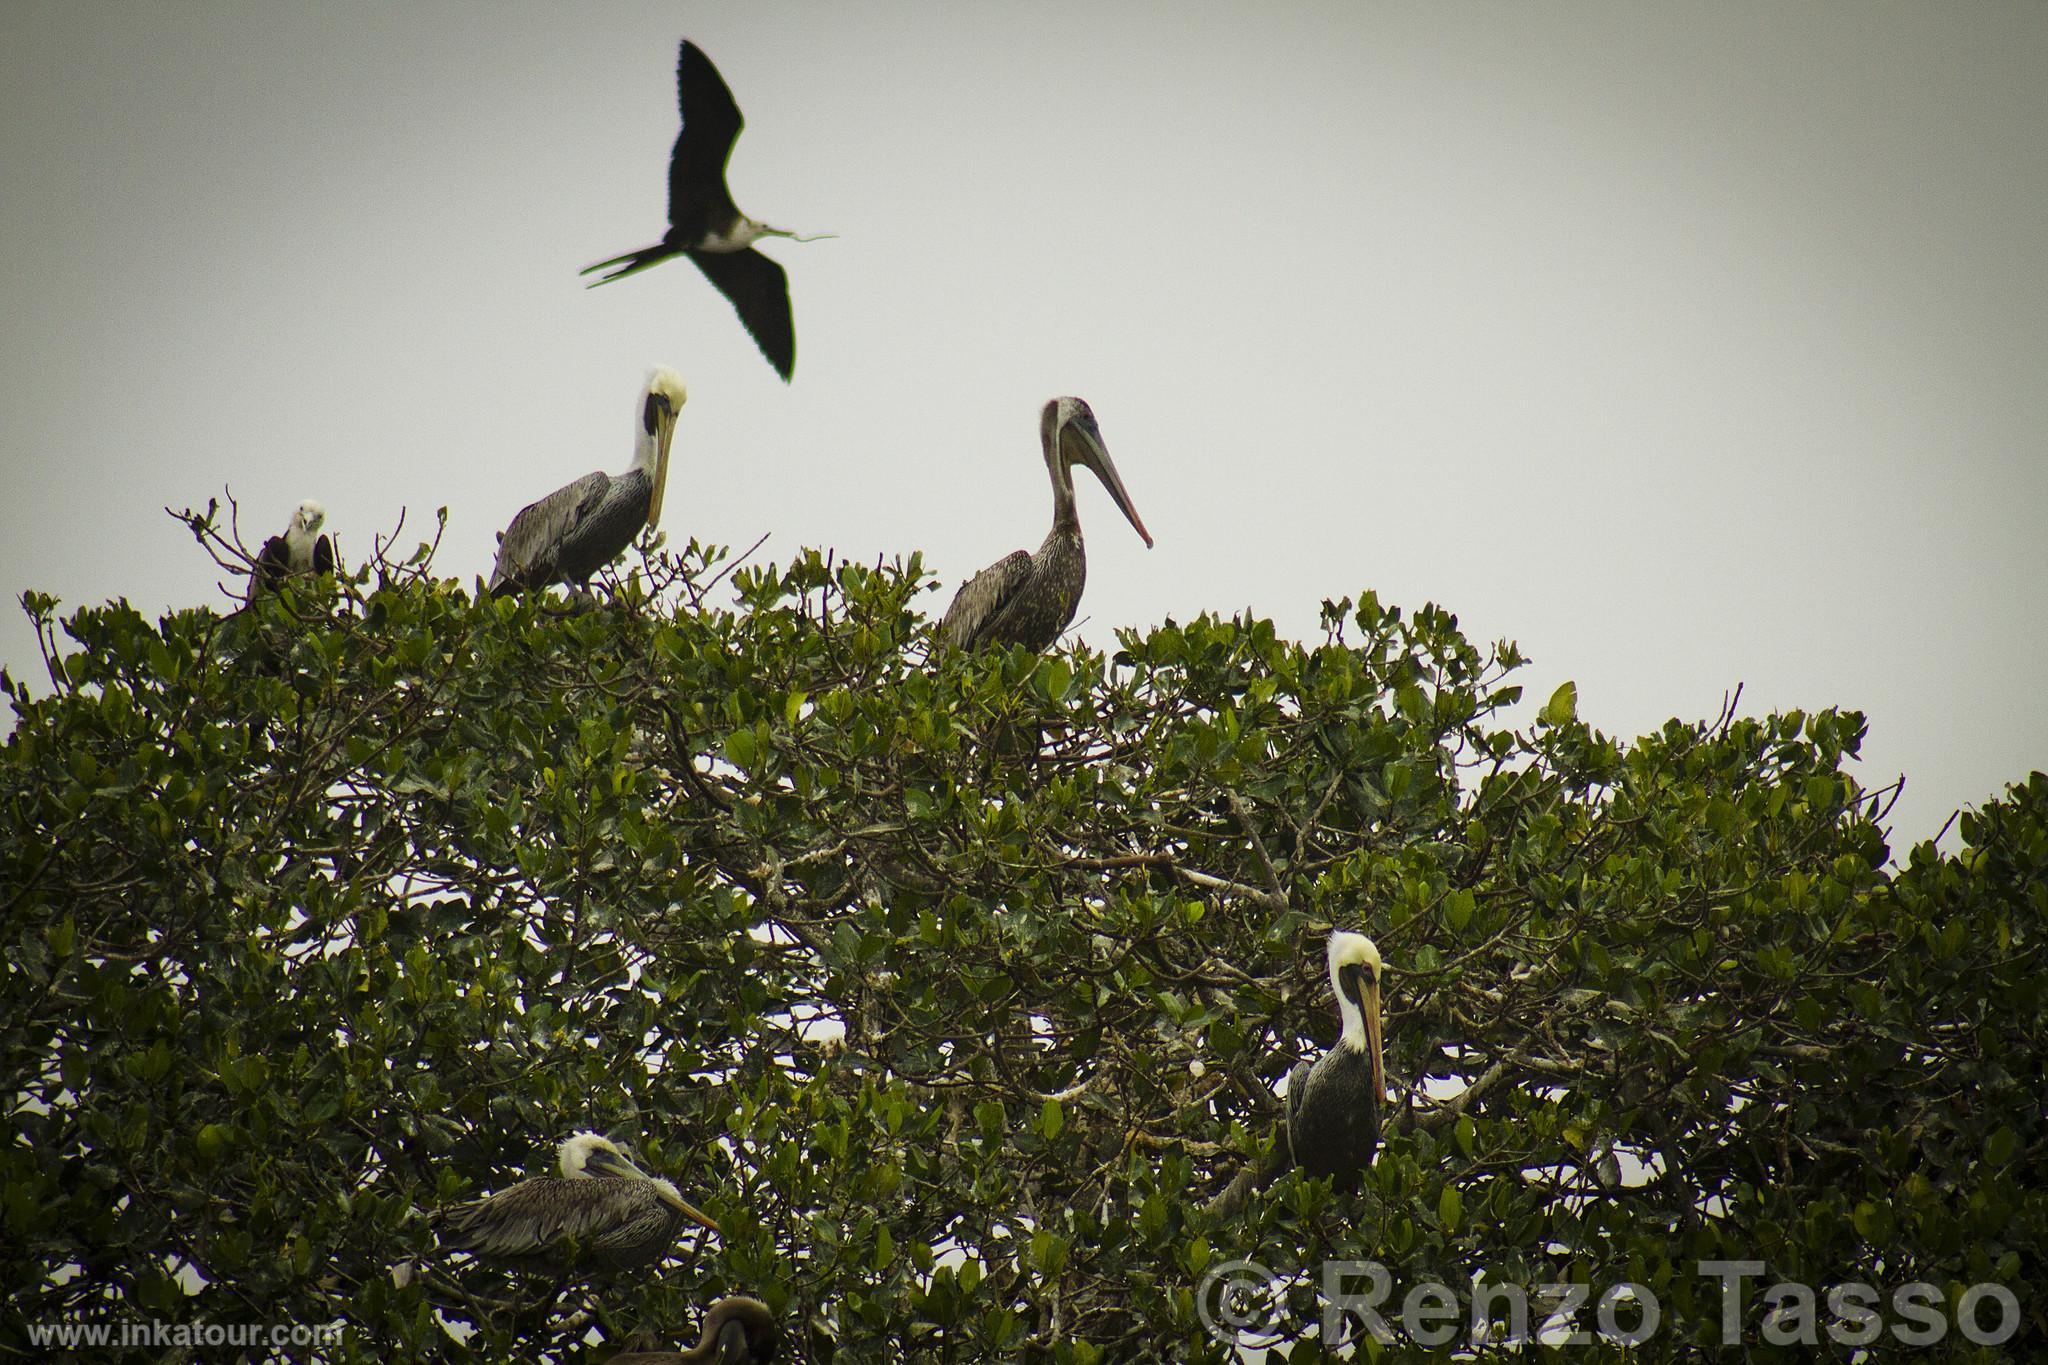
704 223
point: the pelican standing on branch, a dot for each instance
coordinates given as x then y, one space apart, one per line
704 223
576 530
601 1211
737 1330
300 550
1333 1107
1028 599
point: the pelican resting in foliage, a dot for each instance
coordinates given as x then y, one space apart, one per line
1028 599
704 223
1333 1107
736 1330
300 550
578 529
602 1212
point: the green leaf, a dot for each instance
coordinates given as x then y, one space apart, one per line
990 1118
1051 1119
1562 706
210 1141
1873 1221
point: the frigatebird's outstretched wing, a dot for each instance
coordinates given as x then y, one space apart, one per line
759 290
698 201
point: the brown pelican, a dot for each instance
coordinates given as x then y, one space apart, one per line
1333 1107
603 1211
704 223
737 1329
578 529
1028 599
301 549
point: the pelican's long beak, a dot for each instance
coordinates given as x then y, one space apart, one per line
612 1163
699 1217
1084 447
669 1196
664 433
607 1163
1369 1006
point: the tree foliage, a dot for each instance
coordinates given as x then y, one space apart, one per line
956 986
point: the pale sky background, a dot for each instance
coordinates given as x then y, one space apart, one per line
1689 345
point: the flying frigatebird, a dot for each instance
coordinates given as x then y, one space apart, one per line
704 223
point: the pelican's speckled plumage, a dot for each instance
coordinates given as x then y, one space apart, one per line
1026 599
602 1212
578 529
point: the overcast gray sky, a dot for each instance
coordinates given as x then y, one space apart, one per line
1689 345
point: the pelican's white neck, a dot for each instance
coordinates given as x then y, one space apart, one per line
646 449
1354 1019
1347 950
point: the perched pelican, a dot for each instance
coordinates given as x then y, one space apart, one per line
1028 599
301 549
704 223
576 530
1333 1107
737 1329
602 1209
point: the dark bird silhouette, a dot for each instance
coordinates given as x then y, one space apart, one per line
301 549
1333 1107
1028 599
704 223
580 527
602 1212
736 1330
